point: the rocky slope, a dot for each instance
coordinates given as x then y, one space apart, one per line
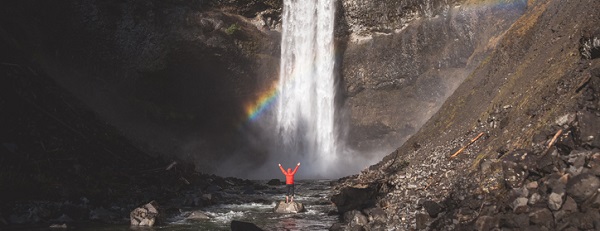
535 166
402 59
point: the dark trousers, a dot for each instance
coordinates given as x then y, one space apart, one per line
290 189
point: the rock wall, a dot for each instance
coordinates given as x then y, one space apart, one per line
534 102
402 59
175 76
172 76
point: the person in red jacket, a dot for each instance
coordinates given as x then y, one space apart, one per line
289 182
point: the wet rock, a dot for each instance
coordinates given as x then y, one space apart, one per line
291 207
376 215
542 217
337 227
197 216
432 208
354 199
519 205
58 226
145 215
274 182
582 187
484 223
355 218
244 226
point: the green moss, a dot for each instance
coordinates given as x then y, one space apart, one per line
232 29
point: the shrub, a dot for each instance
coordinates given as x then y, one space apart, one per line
232 29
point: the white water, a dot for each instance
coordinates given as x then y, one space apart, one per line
306 112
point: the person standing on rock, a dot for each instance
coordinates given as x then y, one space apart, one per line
289 182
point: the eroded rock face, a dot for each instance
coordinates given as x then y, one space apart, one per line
530 97
404 58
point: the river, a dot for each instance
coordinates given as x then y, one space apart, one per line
255 207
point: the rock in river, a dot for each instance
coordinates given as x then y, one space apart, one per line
291 207
144 215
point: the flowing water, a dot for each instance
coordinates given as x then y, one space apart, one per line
307 84
256 207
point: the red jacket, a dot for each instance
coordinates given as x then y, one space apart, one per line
289 176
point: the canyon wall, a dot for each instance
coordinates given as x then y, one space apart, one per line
402 59
177 77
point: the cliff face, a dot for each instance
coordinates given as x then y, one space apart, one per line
516 124
176 76
172 76
404 58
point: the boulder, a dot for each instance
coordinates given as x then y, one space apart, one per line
519 205
516 221
589 128
376 215
197 216
432 208
145 215
594 164
355 218
244 226
291 207
542 217
582 187
485 223
555 201
351 198
535 197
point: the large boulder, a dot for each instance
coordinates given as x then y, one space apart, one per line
144 215
244 226
582 187
354 199
291 207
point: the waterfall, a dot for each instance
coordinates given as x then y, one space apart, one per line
306 110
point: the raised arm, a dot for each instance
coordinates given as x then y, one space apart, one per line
296 169
282 170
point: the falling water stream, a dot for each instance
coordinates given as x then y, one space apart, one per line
306 107
306 126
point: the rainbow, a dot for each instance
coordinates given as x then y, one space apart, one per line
264 101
